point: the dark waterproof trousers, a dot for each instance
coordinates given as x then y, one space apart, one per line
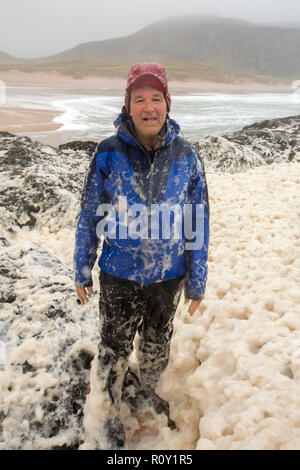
125 308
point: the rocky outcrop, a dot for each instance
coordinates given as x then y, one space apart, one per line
48 346
40 185
262 143
87 146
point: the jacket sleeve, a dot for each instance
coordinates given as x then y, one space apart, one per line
197 251
86 239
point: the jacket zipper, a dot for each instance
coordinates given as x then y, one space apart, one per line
150 174
149 199
149 215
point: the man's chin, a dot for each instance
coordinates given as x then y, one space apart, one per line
153 129
150 132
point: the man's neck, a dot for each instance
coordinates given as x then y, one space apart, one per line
147 142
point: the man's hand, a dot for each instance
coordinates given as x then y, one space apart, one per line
82 294
194 305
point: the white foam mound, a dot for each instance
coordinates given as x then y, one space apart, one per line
233 381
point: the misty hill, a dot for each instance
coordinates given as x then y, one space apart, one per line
6 58
229 44
289 25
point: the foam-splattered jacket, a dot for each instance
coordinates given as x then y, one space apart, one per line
122 167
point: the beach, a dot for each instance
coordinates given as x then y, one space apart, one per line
124 203
18 120
14 120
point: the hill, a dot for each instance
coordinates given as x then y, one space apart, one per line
204 47
283 24
229 44
6 58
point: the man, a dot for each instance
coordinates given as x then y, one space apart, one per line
146 258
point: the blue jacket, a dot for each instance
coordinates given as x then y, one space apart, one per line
122 167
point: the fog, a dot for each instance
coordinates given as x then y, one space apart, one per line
38 28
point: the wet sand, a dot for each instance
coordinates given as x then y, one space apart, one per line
21 120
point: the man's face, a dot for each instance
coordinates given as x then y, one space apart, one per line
148 110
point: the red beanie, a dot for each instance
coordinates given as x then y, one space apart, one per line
149 74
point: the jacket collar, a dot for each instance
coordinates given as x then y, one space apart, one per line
124 126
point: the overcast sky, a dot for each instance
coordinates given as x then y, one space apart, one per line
35 28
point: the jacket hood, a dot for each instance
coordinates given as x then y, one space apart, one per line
123 121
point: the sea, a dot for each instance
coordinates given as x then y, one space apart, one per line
90 116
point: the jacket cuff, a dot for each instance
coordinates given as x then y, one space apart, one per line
194 292
194 297
88 283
